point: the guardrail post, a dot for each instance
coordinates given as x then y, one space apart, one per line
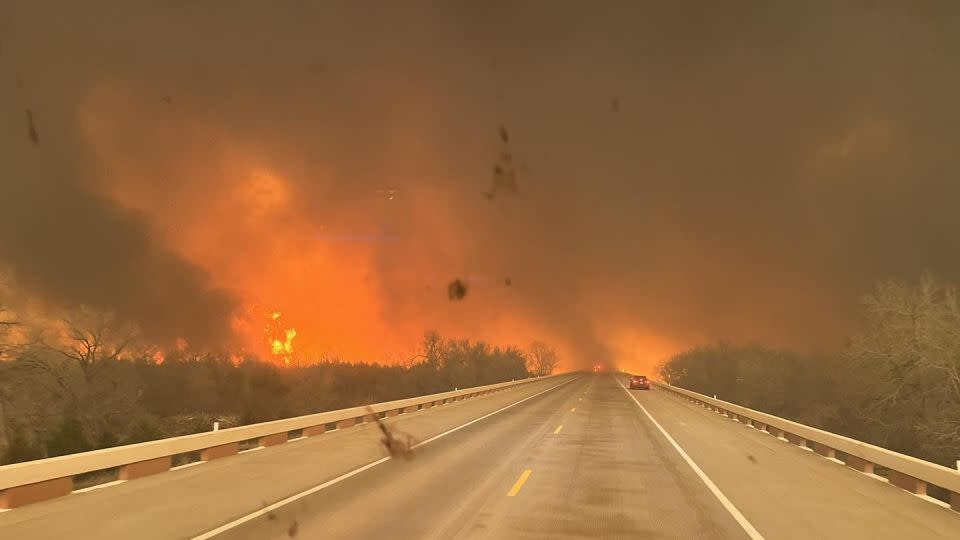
145 468
217 452
313 431
859 464
796 439
275 439
824 450
909 483
14 497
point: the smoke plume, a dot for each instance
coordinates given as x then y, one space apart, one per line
678 173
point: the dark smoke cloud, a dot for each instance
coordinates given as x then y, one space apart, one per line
70 246
73 248
762 166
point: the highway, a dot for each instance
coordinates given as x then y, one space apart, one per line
570 457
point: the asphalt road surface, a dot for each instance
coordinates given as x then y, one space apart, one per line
570 457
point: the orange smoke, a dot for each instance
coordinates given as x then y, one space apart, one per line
232 206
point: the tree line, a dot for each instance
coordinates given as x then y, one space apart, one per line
896 383
92 394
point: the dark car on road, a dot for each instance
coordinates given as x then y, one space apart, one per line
639 382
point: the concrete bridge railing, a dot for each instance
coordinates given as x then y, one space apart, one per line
33 481
906 472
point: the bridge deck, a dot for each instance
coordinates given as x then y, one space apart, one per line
608 472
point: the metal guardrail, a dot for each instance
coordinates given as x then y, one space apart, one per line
906 472
33 481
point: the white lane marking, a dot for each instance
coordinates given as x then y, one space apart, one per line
488 415
267 509
98 486
186 465
747 526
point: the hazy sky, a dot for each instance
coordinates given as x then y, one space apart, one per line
687 171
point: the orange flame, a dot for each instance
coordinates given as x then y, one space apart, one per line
281 348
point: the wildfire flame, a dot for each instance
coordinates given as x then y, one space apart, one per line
281 348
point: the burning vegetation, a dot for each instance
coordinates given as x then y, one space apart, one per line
88 382
280 339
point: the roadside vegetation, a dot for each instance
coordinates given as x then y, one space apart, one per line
896 384
95 394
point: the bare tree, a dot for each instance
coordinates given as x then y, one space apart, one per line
90 337
909 354
7 323
542 360
432 349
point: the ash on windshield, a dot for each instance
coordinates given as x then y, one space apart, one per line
398 444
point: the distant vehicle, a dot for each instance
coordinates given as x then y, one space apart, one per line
639 382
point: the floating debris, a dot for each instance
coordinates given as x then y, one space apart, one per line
293 529
615 105
456 290
504 176
397 444
168 100
388 193
508 282
32 128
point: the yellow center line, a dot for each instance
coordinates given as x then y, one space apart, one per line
573 409
519 484
558 429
